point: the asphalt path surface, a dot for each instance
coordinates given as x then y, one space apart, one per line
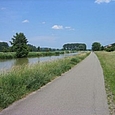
80 91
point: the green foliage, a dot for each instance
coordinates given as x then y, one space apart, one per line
75 60
4 46
57 53
102 48
96 46
110 47
75 46
22 80
19 45
32 48
8 55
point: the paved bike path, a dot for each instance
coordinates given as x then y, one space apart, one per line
79 91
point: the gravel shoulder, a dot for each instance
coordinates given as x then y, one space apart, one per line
80 91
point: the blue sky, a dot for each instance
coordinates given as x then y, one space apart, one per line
52 23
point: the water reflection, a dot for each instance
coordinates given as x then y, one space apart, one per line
8 64
33 60
21 61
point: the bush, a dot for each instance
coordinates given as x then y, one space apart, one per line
75 60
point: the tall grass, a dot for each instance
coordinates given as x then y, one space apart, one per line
50 53
107 60
7 55
10 55
22 80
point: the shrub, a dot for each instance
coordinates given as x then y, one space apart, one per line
75 60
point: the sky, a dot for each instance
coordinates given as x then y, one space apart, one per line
53 23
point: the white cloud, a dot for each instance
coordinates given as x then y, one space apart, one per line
25 21
60 27
103 1
57 27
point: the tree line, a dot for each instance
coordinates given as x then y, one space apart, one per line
19 44
96 46
75 46
4 46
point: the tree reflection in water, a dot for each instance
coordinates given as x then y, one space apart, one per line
21 61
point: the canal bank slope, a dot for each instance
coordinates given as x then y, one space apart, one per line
79 91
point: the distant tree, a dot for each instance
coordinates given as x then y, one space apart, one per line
4 46
102 48
19 45
82 47
110 47
32 48
96 46
38 49
74 46
45 49
113 46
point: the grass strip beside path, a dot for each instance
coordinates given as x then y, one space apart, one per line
107 60
23 80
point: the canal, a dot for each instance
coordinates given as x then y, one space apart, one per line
6 64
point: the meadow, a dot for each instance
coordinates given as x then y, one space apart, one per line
107 60
22 80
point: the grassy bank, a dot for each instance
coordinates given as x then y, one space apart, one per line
22 80
7 55
11 55
38 54
107 60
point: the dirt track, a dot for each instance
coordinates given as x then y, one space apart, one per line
79 91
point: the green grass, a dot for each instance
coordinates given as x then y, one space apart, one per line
7 55
22 80
10 55
107 60
37 54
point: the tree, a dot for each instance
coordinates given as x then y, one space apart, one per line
4 46
32 48
19 45
38 48
96 46
110 47
74 46
102 48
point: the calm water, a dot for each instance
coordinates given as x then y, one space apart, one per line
8 64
